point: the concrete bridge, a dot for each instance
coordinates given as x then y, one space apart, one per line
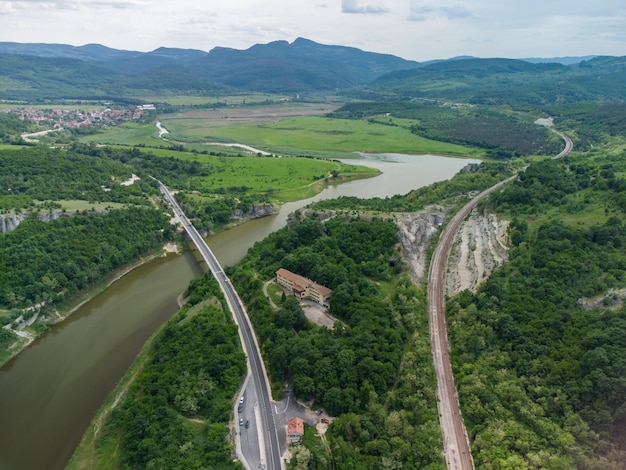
258 404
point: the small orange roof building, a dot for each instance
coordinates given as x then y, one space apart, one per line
295 431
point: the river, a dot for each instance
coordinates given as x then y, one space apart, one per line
50 392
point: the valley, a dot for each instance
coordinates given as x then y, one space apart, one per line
538 374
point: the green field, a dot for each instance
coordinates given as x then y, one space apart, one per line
313 133
129 133
282 178
310 135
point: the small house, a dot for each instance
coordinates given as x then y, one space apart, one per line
295 431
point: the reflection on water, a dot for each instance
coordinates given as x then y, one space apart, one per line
50 392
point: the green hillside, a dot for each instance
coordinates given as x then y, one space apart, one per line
512 82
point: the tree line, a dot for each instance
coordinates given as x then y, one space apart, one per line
176 412
503 134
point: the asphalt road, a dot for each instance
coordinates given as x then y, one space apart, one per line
456 450
269 453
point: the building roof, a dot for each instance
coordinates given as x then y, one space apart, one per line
302 282
295 426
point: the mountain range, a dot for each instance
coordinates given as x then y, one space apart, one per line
54 71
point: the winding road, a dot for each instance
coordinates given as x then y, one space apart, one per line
456 447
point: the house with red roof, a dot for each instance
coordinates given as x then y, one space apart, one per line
295 431
302 287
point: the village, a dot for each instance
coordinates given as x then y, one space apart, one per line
73 118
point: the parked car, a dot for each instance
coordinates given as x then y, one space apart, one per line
240 421
325 420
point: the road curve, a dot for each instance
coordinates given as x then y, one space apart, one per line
257 372
456 446
569 145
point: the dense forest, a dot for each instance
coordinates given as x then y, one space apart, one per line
499 132
373 369
594 123
34 174
541 370
52 261
176 412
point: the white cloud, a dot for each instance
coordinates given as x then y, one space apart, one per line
358 6
420 10
414 29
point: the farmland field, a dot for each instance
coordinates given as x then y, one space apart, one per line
295 135
230 100
287 128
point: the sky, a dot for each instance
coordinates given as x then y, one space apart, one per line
413 29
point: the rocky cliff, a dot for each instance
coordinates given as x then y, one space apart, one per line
479 248
416 231
9 222
254 212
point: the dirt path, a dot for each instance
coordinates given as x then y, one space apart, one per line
312 311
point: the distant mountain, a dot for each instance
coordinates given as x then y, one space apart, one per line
300 66
558 60
88 52
279 66
158 58
50 71
497 81
33 78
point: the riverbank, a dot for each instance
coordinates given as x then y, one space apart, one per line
86 453
29 334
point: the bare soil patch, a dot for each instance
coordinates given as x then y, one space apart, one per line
260 114
318 315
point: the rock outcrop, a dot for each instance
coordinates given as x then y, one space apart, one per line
416 231
480 247
9 222
254 212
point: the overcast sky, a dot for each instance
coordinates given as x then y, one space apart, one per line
412 29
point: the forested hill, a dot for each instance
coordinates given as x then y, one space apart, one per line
301 65
275 67
498 81
49 71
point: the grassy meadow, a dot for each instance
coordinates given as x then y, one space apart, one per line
127 134
286 129
282 128
295 135
282 178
